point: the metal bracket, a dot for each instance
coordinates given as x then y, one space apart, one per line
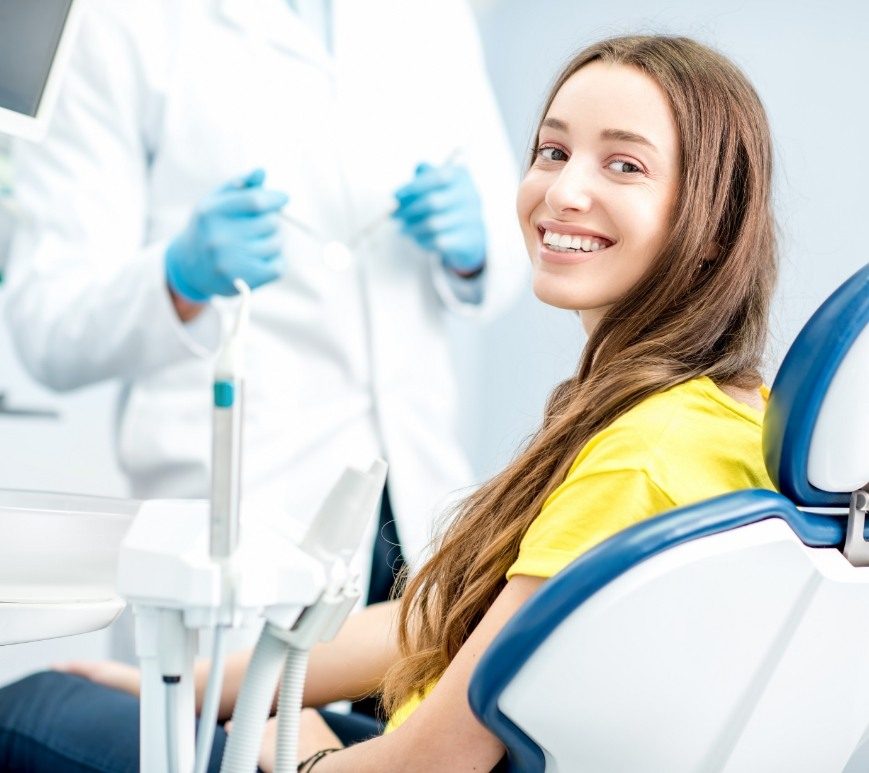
856 546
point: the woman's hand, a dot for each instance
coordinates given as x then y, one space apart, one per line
314 734
126 678
110 673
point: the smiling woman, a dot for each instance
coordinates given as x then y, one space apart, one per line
645 208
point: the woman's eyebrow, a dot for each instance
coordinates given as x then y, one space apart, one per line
625 136
554 123
621 135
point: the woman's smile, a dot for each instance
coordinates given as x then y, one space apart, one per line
566 243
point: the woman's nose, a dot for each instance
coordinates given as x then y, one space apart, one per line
571 190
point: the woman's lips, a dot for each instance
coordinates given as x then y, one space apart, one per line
563 257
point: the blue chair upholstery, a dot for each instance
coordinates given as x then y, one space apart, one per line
800 386
795 403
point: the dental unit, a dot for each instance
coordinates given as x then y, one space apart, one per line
189 567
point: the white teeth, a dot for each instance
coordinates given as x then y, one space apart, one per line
566 242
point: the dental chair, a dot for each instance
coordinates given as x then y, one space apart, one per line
731 635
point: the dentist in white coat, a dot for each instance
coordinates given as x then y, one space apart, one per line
145 200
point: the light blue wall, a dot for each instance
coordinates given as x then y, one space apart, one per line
808 62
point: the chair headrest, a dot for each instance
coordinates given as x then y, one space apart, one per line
817 419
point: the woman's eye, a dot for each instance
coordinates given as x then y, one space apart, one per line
551 154
625 167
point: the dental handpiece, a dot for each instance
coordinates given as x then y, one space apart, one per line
226 465
228 410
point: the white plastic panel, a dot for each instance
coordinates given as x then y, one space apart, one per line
60 547
740 652
21 623
839 454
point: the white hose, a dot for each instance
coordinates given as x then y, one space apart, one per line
210 702
289 710
254 704
170 690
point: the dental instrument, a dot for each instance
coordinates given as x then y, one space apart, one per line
228 412
286 640
337 254
187 567
228 403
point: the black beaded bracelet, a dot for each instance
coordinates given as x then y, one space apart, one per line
305 766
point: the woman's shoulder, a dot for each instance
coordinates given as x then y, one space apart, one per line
690 406
693 419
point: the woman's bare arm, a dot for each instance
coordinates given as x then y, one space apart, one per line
443 733
350 666
353 664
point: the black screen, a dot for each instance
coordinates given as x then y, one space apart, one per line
29 34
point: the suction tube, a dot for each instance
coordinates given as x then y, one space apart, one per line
254 704
290 709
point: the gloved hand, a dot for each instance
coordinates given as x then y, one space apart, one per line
441 211
234 233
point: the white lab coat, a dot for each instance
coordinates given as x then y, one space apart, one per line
167 99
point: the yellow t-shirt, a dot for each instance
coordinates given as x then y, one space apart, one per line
675 448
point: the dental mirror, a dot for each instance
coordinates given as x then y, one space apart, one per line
335 254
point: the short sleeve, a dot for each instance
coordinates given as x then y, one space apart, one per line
582 512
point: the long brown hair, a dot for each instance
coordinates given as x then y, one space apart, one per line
701 311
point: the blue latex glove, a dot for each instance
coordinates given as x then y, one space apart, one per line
234 233
440 210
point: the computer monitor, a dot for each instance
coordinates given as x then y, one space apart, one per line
36 37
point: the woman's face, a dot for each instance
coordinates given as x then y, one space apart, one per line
595 206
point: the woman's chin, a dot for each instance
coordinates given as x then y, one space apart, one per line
583 294
555 291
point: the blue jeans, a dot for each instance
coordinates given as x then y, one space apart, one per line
59 723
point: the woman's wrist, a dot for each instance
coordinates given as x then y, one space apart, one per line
307 765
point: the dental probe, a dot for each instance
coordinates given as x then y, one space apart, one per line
304 227
383 217
336 253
